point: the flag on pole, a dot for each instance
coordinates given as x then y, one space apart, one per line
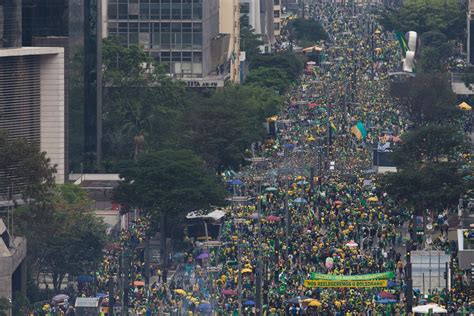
359 131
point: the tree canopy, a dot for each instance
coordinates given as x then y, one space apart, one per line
64 236
308 30
447 17
168 182
25 166
221 127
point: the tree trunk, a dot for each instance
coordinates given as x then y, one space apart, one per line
163 238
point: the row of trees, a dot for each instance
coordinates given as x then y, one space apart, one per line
431 171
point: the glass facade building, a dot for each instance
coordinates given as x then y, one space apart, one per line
176 33
10 23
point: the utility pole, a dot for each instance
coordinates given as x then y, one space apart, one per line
258 293
409 280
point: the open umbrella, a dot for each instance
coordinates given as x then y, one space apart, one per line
101 295
180 291
386 301
204 307
314 303
273 218
387 295
271 189
229 292
235 182
253 216
297 299
249 303
431 307
351 244
300 200
246 270
373 199
202 256
59 298
85 278
139 283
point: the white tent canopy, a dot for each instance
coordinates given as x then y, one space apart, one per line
425 309
214 215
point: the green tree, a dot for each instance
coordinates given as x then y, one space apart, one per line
447 17
220 128
427 98
166 185
308 30
64 236
141 102
5 306
432 186
25 166
288 62
429 144
271 78
434 51
249 42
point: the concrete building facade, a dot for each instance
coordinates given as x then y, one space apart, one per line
229 23
276 17
259 15
183 35
12 264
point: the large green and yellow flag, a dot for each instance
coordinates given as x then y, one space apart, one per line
359 131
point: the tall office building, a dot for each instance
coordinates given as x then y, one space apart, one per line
181 34
276 17
259 15
74 25
31 93
229 23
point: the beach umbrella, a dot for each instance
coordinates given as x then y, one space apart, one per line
271 189
429 308
85 278
273 218
229 292
300 200
203 307
315 303
202 256
297 299
373 199
352 244
464 106
387 295
139 283
249 303
180 291
60 298
386 301
235 182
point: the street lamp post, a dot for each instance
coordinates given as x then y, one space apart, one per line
409 280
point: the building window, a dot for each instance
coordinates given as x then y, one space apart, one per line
187 10
187 35
245 8
145 9
123 11
155 9
133 11
165 10
112 10
276 26
276 13
244 20
276 2
197 9
176 9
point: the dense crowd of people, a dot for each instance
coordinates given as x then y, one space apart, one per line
314 205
